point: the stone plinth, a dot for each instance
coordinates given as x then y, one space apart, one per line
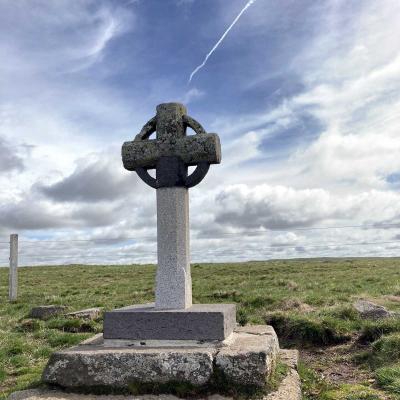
247 357
201 322
118 368
288 389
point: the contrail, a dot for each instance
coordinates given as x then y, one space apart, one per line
249 3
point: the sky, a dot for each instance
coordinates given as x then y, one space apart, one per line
304 95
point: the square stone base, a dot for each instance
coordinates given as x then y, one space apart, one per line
201 322
288 389
247 357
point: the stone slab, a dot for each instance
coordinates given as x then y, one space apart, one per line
245 358
88 313
289 357
156 343
204 322
47 394
289 389
46 312
255 349
87 366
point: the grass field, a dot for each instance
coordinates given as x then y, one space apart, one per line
307 301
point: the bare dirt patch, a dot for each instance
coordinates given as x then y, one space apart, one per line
335 364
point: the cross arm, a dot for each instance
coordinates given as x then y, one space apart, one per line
192 150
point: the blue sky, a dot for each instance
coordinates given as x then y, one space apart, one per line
305 96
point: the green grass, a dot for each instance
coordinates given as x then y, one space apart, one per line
386 349
389 378
313 386
352 392
308 302
374 330
308 330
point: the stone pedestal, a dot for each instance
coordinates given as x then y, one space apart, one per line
288 389
200 322
247 357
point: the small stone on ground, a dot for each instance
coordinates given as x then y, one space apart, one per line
46 312
88 313
369 310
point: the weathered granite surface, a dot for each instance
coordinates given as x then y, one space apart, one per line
173 279
251 357
191 149
88 367
145 322
170 123
369 310
245 358
289 388
289 357
45 312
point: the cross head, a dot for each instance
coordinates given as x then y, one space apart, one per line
172 151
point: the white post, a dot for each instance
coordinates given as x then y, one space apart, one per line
13 273
173 281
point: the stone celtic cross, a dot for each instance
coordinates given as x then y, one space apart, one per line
170 154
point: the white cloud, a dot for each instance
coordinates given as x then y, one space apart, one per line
184 2
355 92
280 207
191 95
10 160
350 71
59 36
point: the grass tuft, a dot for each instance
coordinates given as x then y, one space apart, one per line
242 316
352 392
313 386
58 339
346 313
307 330
28 325
388 378
279 373
386 350
373 330
74 325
